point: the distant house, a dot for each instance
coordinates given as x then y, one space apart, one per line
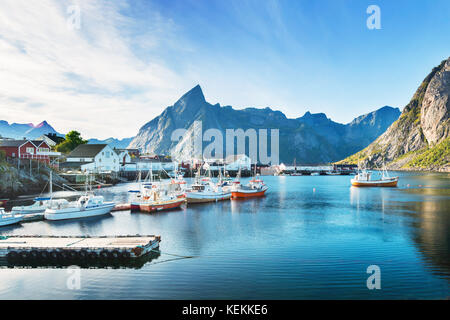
156 162
234 162
124 156
28 149
52 139
93 158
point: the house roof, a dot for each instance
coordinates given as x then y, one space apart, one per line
37 143
12 143
87 151
54 138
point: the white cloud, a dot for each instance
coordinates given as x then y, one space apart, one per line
88 78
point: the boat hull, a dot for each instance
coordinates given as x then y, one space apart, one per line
375 183
167 205
204 198
76 213
243 194
10 221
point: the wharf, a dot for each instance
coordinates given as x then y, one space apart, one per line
65 248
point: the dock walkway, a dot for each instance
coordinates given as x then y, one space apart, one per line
66 247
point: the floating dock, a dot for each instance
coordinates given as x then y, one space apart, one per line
67 248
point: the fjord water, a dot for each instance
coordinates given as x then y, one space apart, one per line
310 237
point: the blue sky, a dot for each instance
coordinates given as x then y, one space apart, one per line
129 60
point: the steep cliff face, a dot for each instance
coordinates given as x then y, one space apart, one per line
312 138
419 138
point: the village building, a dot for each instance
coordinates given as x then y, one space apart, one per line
28 149
52 139
95 158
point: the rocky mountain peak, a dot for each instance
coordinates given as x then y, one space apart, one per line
434 112
420 138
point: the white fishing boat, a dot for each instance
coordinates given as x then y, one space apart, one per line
10 218
204 190
315 173
88 205
364 179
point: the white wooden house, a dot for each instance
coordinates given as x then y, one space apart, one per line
93 158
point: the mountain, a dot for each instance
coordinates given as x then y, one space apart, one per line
312 138
419 139
112 142
27 130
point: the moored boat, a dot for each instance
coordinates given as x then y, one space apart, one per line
9 218
204 190
88 205
255 188
364 179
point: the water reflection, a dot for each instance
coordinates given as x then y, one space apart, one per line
309 237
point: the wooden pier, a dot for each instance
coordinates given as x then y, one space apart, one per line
67 248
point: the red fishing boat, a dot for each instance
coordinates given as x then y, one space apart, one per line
255 188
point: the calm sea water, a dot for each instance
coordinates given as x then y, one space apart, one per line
310 237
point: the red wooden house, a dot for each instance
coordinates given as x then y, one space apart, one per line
27 149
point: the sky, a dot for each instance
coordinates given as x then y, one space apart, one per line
118 64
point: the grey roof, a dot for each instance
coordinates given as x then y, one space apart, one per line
86 151
12 143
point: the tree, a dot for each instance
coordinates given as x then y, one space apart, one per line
73 140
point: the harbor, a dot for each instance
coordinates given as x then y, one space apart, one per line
280 243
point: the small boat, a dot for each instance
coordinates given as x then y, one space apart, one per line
7 219
88 205
255 188
332 173
296 174
315 173
363 179
200 193
159 203
204 190
156 196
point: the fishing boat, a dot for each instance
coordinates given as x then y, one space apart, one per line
88 205
7 219
156 196
255 188
158 200
315 173
364 179
204 190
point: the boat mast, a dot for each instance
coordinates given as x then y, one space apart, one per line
50 187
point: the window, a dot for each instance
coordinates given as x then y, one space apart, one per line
107 154
30 150
44 149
